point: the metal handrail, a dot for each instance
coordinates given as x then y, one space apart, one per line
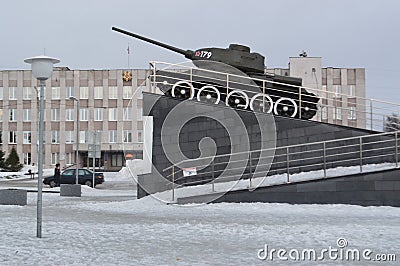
280 83
336 101
288 146
288 168
339 98
335 97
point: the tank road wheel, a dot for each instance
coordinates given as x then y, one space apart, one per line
257 103
308 110
209 94
285 107
237 99
182 89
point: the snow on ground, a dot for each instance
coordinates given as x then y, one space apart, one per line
96 230
108 226
4 176
123 175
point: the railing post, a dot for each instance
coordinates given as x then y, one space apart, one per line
397 148
324 159
370 112
227 85
300 102
250 170
153 66
263 98
173 182
287 165
213 176
361 154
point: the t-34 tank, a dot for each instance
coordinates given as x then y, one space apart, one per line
281 95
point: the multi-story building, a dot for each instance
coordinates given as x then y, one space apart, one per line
342 90
110 104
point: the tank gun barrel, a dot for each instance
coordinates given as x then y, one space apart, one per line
187 53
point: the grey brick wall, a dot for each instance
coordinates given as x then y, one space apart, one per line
289 132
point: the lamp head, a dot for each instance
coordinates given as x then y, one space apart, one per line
42 66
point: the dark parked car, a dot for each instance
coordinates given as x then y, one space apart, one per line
85 177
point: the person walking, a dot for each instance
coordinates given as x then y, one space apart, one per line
57 175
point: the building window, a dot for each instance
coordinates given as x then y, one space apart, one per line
1 114
324 92
139 114
27 158
12 93
116 160
12 137
55 136
55 93
27 93
352 90
70 91
98 92
112 114
27 114
112 136
83 136
139 92
27 137
98 114
338 91
68 158
127 136
352 113
113 92
324 112
1 137
54 158
127 92
84 92
140 135
83 114
69 136
128 114
69 114
12 115
337 114
55 114
1 93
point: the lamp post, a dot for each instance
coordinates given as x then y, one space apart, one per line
42 68
77 137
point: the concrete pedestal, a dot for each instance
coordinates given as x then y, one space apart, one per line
13 197
70 190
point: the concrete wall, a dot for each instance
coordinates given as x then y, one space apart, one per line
367 189
288 132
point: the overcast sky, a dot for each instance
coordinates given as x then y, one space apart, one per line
345 33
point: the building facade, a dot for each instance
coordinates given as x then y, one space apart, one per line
110 108
342 90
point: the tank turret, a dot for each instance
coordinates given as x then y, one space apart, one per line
236 55
284 94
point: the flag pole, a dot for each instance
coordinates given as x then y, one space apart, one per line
129 51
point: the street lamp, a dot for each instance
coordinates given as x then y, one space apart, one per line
42 68
77 137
